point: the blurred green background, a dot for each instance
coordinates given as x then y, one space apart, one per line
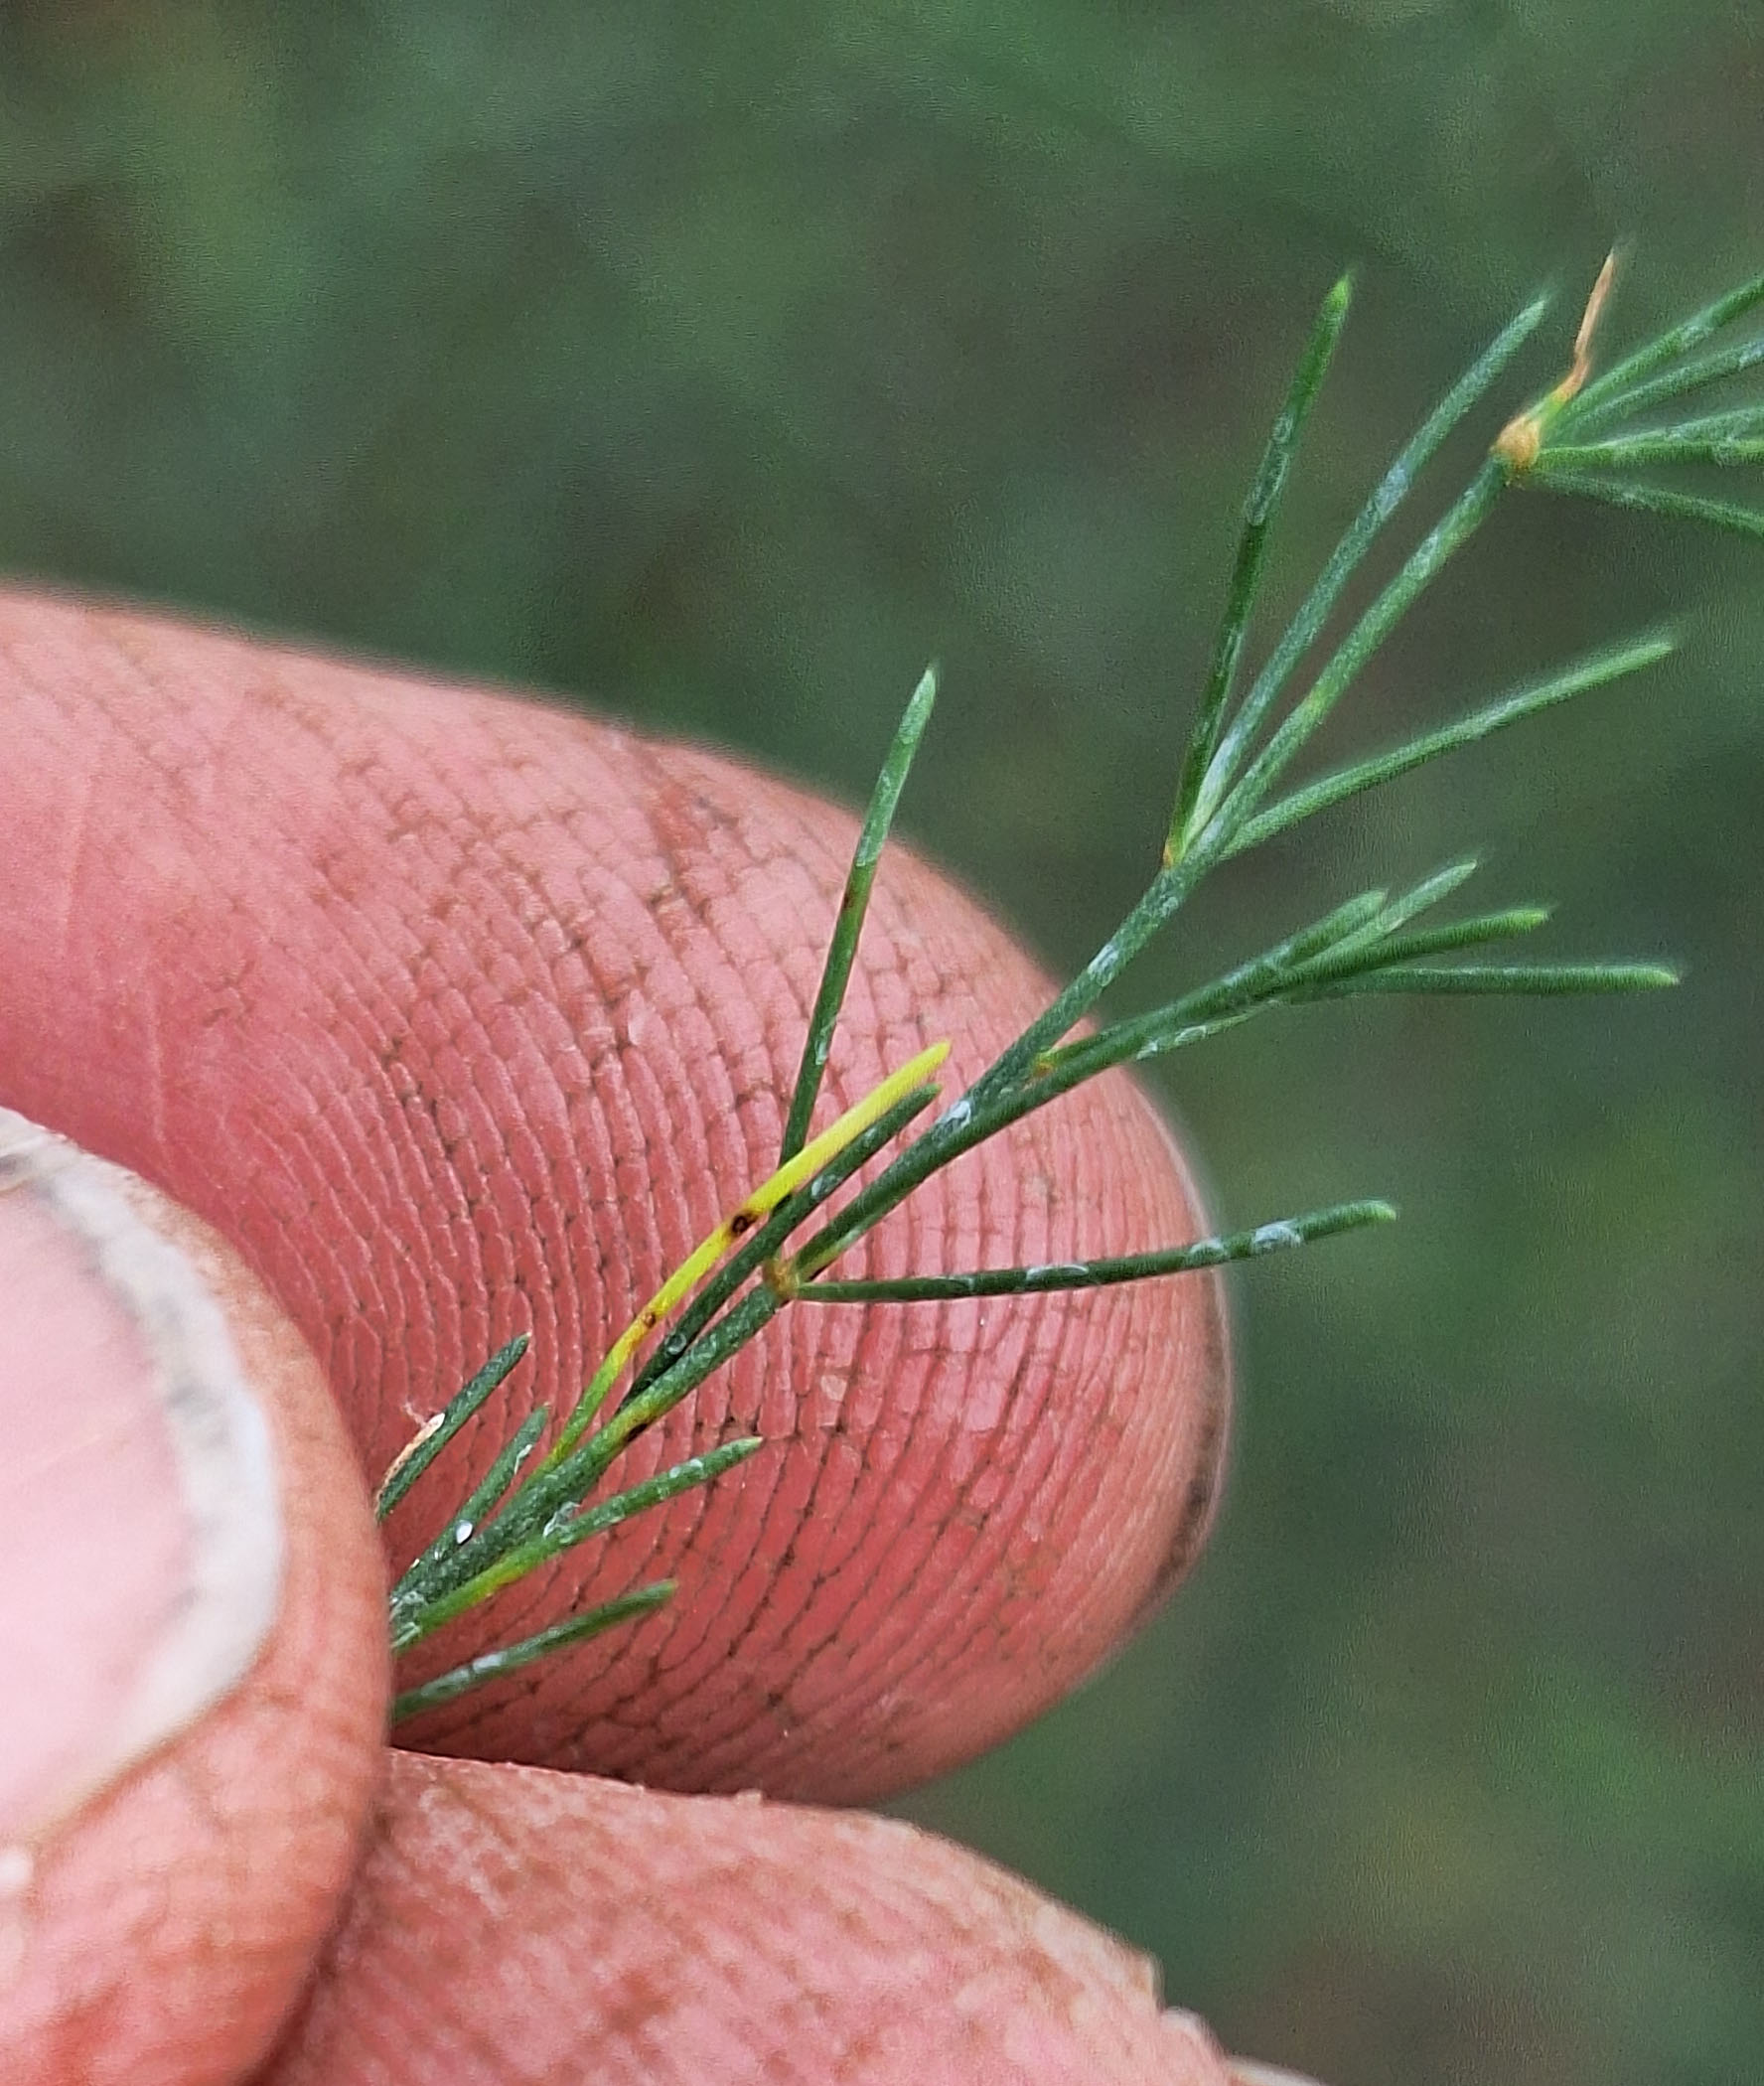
720 366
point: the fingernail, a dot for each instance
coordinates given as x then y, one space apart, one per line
141 1527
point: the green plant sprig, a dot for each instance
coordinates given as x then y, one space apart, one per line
1547 446
519 1518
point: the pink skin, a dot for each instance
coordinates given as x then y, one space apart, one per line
97 1452
170 1927
880 1954
457 1016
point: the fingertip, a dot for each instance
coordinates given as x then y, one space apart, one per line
512 1926
199 1722
484 1016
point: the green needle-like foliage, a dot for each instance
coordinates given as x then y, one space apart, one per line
1099 1274
1232 794
434 1437
1655 500
1350 553
1566 461
1258 519
492 1664
853 903
1657 358
1330 789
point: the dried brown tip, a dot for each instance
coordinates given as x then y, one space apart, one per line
1520 440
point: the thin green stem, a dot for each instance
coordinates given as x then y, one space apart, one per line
563 1532
1333 789
769 1240
1178 878
1103 1274
459 1528
1392 490
1476 932
1742 420
439 1431
987 1106
853 903
1656 500
562 1486
1535 980
1634 452
974 1115
1279 978
910 1086
1593 408
550 1497
493 1664
1628 376
991 1105
1258 515
1409 905
1468 513
1196 1014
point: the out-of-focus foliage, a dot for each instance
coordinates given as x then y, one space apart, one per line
719 364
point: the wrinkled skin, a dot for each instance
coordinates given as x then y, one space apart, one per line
447 1015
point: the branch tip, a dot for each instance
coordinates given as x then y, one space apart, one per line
1517 443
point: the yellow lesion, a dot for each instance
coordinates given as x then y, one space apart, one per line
751 1211
1520 440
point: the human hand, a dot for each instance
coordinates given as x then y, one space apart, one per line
448 1016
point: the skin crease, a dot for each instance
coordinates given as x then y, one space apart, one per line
461 1016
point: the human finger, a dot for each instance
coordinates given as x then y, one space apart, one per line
463 1016
192 1629
513 1927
